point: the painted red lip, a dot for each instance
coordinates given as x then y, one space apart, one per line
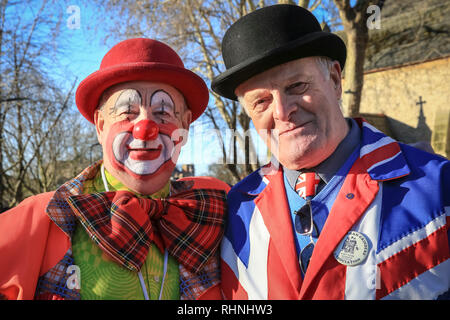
145 154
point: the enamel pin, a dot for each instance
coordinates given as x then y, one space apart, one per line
353 249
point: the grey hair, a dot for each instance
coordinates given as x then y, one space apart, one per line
102 101
105 96
325 64
241 102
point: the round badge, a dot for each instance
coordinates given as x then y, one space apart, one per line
353 249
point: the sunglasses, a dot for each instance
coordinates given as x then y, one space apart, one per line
304 225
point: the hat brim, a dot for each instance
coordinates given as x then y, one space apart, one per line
190 85
314 44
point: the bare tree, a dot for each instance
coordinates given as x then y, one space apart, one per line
195 29
354 19
34 111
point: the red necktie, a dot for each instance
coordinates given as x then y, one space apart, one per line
189 226
306 185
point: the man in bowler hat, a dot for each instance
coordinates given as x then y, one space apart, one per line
343 211
121 229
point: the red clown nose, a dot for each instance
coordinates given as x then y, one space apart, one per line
145 130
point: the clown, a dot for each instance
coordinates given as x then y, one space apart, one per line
121 229
135 127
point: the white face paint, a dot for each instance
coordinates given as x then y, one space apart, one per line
163 107
135 127
142 157
128 102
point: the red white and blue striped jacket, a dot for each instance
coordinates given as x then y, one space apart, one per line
396 195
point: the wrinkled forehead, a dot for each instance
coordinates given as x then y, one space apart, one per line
142 90
288 71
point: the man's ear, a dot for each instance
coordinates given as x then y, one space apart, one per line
186 118
99 122
335 76
183 132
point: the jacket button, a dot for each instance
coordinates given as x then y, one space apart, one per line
350 196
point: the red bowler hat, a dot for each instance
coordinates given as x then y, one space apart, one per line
141 59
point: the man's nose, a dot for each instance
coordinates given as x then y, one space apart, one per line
283 108
145 130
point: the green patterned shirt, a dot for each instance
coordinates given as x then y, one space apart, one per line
102 278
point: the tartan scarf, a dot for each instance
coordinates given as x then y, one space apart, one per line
189 225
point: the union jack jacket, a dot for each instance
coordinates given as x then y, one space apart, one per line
394 194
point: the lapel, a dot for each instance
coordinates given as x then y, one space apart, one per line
380 159
273 205
355 196
58 209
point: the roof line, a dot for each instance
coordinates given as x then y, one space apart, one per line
405 64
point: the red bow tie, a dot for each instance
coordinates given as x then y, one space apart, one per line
189 226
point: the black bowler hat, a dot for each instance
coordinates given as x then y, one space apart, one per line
269 37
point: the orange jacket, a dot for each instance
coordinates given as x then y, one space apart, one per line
31 244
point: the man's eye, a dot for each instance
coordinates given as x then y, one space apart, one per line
127 110
260 102
258 105
130 111
297 88
163 112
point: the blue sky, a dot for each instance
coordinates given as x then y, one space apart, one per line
86 45
83 49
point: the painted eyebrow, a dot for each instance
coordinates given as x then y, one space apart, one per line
161 90
114 108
